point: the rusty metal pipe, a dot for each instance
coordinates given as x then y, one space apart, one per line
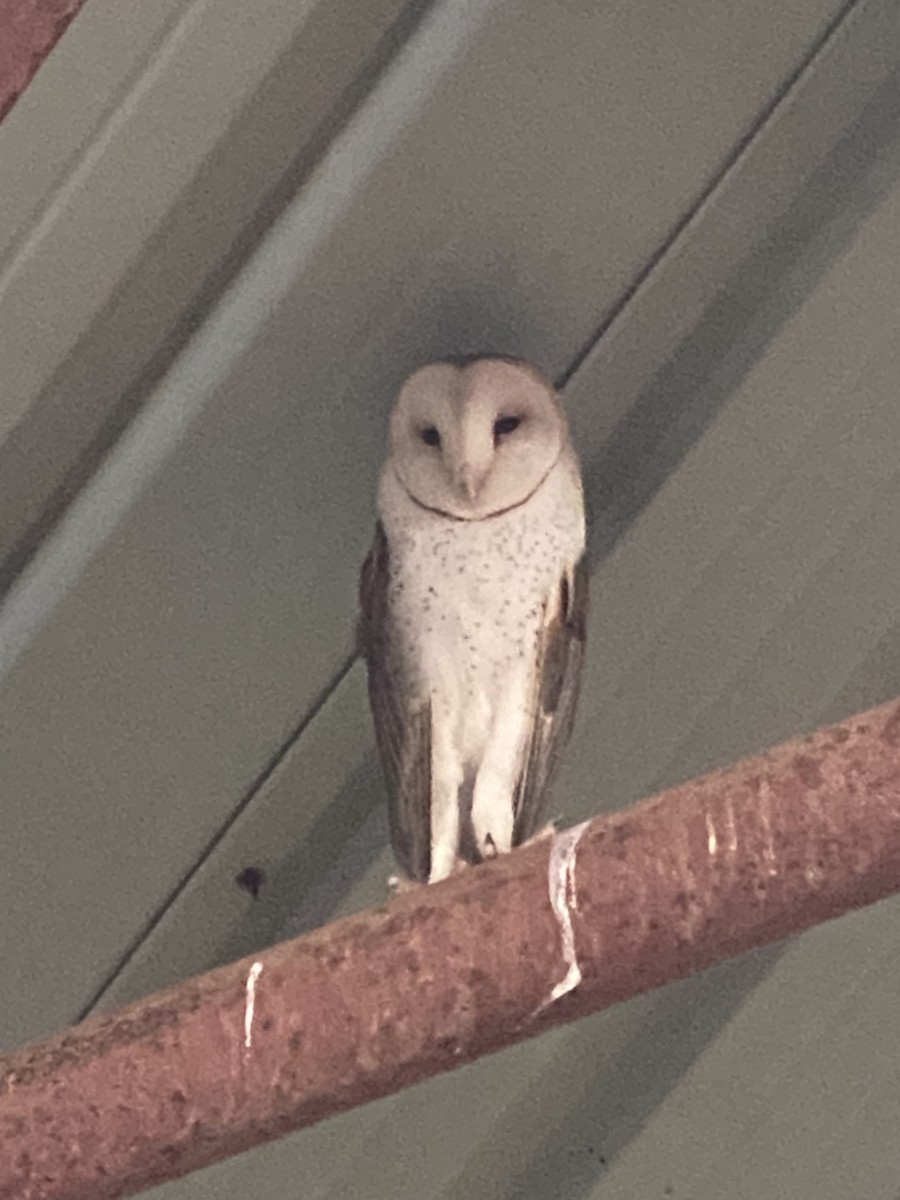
375 1002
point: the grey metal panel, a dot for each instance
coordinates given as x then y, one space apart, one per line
764 576
754 596
212 921
167 144
858 58
509 178
66 105
798 1095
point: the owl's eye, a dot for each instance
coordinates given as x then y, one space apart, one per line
430 436
504 425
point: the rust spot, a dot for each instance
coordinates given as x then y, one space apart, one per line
622 832
178 1097
99 1037
808 770
267 1023
839 734
395 925
411 962
484 988
449 1002
388 1043
328 956
891 731
295 1041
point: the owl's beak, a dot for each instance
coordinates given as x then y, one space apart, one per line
469 481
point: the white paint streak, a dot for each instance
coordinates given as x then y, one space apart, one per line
564 899
712 842
730 826
255 972
765 817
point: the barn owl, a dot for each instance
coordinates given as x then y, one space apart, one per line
473 606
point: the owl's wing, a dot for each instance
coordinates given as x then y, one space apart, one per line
557 683
402 720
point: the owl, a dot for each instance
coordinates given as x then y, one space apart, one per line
473 609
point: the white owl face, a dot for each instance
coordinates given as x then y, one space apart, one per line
476 439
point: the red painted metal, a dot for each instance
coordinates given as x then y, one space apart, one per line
433 979
29 29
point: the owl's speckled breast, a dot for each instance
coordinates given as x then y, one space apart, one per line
467 597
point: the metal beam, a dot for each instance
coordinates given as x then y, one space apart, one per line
445 974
